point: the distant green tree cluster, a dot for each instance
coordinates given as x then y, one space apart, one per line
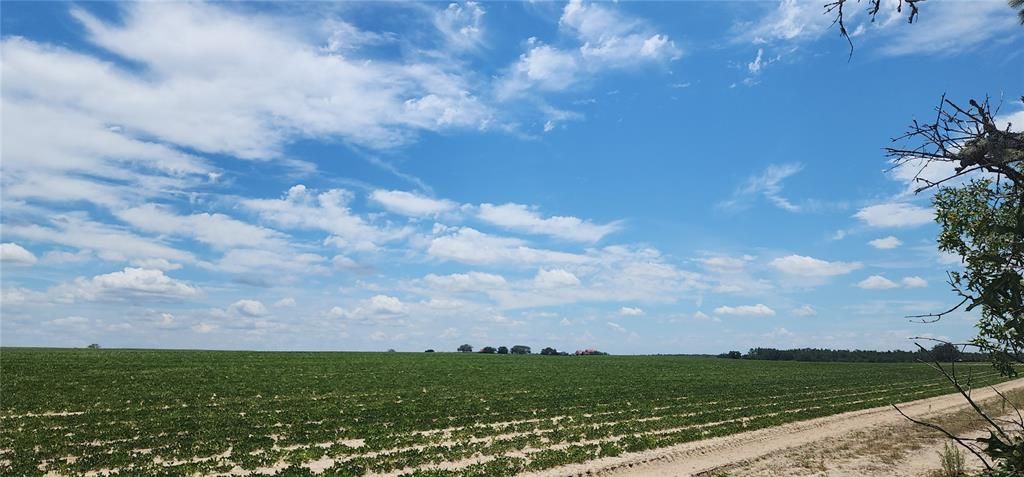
943 352
522 349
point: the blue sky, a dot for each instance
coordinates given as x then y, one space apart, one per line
686 177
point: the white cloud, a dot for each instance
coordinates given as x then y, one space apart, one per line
327 211
128 284
767 184
877 282
608 40
791 20
268 262
611 274
286 302
110 243
461 25
13 253
886 243
217 230
631 311
612 39
755 66
725 264
895 214
473 247
805 310
521 218
70 322
617 327
155 263
410 204
1015 118
60 257
250 308
800 265
16 296
914 282
745 310
948 28
943 28
376 308
542 67
555 278
231 80
462 282
384 304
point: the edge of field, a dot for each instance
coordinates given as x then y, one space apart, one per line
700 457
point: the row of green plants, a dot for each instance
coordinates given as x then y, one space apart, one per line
150 413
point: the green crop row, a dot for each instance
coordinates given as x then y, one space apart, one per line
144 413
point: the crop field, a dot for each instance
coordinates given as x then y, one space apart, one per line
141 413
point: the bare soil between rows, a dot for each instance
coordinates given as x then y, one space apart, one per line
876 441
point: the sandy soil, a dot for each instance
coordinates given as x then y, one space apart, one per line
870 442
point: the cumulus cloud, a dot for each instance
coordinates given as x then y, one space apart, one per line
470 246
284 302
156 263
895 214
128 284
109 242
410 204
13 253
230 54
611 274
877 282
886 243
268 262
612 39
805 310
250 308
460 282
522 218
217 230
745 310
328 211
373 309
812 267
631 311
608 40
461 25
555 278
914 282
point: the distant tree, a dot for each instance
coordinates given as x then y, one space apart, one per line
93 346
520 349
488 350
391 350
549 351
429 351
465 348
502 350
733 355
946 352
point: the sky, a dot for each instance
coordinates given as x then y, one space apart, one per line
676 177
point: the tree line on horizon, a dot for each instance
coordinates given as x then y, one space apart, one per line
943 352
523 349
